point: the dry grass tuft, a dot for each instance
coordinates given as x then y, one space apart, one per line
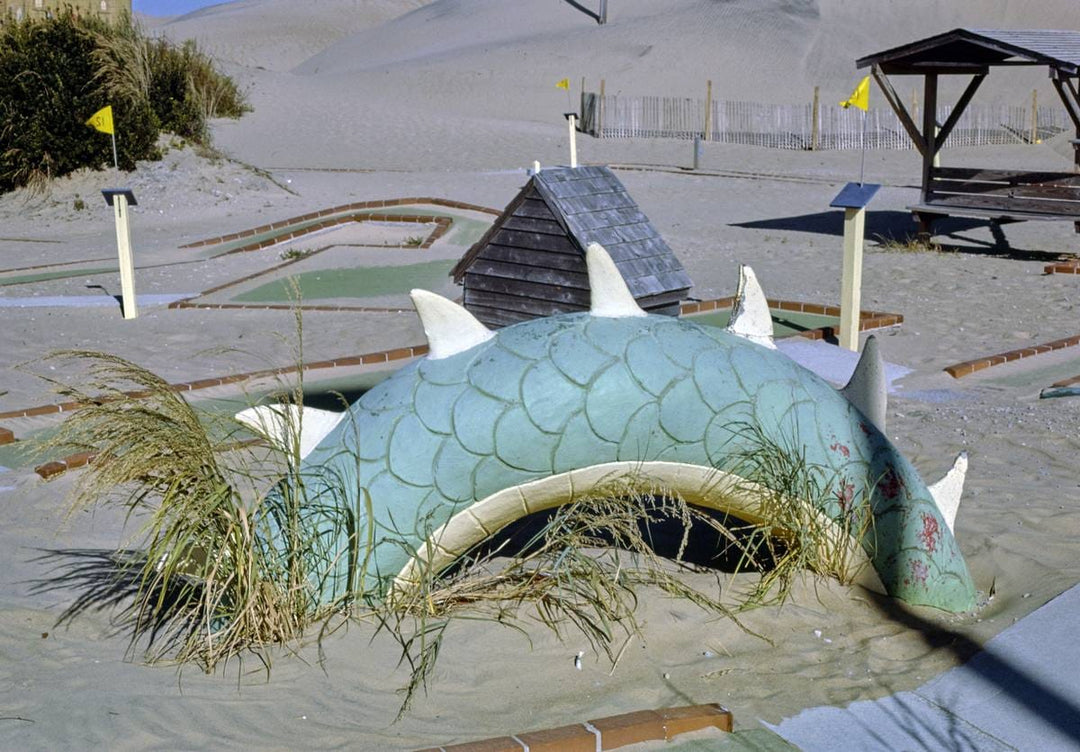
206 577
909 244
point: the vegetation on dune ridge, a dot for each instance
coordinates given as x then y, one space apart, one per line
55 73
230 553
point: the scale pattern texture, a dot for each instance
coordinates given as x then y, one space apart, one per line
550 395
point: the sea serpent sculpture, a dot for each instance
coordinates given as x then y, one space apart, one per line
492 426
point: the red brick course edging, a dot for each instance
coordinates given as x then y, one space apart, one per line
605 733
362 205
959 370
1063 267
868 320
1067 382
442 225
53 468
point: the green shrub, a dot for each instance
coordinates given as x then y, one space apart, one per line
55 73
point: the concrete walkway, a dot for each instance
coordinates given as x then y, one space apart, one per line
1021 692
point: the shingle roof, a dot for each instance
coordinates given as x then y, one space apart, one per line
592 205
1058 48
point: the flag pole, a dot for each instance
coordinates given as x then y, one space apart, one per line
116 162
862 143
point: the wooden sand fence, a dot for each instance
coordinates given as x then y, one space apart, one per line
805 126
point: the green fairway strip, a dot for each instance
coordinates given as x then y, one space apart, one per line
46 276
785 323
352 283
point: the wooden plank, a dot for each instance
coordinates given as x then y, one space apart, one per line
520 304
1011 177
672 298
531 274
996 207
574 262
535 208
534 224
496 318
556 293
1018 193
535 240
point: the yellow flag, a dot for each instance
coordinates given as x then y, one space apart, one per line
102 120
860 97
564 84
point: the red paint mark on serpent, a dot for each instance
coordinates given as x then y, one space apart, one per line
919 571
891 484
838 447
930 532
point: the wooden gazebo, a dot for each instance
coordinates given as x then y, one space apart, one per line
531 262
1003 195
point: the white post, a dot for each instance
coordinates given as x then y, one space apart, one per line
119 201
851 279
571 118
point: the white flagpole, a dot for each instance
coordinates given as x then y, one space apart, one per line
862 143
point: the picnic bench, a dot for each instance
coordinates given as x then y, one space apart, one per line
999 195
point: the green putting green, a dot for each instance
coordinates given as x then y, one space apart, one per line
366 282
65 274
785 323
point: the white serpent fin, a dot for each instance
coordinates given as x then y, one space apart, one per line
750 317
868 389
449 328
279 423
947 491
609 295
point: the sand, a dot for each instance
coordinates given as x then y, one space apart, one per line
454 100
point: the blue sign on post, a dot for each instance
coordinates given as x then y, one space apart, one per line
855 196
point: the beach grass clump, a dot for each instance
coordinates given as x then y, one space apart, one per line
810 519
207 588
56 72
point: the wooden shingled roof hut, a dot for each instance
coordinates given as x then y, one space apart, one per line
531 262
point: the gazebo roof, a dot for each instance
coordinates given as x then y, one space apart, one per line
961 50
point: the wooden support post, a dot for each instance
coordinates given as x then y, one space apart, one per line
119 201
929 133
708 110
600 112
1034 116
851 278
815 127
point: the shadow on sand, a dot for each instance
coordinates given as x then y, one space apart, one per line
892 226
913 711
